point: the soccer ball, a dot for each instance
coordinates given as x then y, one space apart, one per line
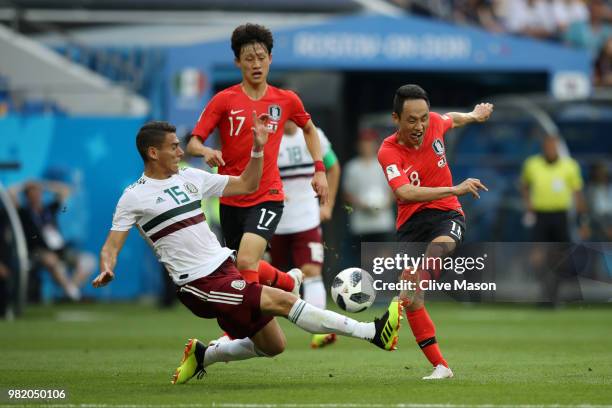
353 290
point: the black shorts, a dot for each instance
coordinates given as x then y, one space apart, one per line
551 227
428 224
261 219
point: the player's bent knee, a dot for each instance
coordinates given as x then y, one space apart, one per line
270 341
247 262
275 347
276 302
311 270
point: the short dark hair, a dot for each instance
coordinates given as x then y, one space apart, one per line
152 134
251 34
407 92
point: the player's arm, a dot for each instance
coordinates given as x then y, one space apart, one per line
248 181
332 167
108 257
412 193
319 180
212 157
525 184
526 196
481 113
207 122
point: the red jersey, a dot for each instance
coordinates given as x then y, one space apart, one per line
425 167
231 110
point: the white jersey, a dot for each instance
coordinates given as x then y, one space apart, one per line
169 216
301 212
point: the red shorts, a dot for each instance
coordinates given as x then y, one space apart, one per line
297 249
224 295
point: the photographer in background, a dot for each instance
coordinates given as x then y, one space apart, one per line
46 244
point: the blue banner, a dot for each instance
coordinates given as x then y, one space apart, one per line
98 158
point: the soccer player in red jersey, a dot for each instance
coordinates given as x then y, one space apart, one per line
249 221
414 162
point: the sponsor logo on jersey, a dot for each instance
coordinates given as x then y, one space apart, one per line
275 112
438 147
392 172
190 187
159 200
238 284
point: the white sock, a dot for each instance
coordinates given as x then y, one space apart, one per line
318 321
233 350
314 292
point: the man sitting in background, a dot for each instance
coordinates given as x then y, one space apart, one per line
46 243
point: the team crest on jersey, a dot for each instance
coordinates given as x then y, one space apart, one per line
190 187
438 147
274 111
238 284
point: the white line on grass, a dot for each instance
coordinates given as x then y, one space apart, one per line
329 405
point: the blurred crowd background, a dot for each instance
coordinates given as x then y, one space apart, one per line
77 79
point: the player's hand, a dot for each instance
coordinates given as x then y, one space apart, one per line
103 279
214 158
325 212
482 112
319 185
260 130
469 186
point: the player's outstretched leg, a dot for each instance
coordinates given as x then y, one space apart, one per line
421 324
197 356
388 325
383 332
192 362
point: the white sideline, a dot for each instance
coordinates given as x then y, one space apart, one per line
312 405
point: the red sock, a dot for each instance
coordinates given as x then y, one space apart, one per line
250 275
425 334
270 276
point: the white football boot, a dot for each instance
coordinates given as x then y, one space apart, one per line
298 277
439 373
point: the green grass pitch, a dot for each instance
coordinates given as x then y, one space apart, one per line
123 354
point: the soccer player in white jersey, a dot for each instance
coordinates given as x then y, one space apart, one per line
298 241
164 204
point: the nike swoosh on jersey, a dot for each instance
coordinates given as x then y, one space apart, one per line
233 112
262 228
407 168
